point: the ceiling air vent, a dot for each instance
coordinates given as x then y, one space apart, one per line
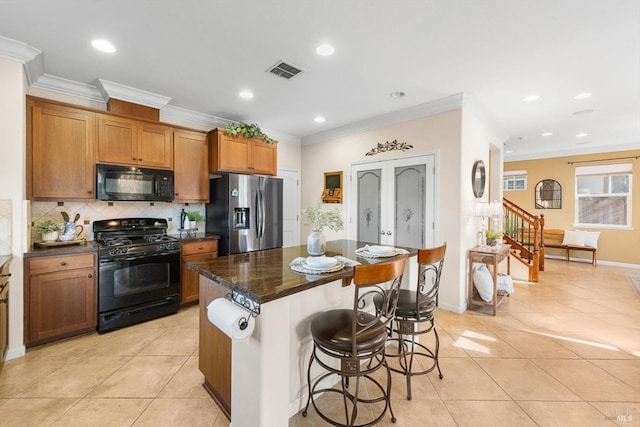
284 70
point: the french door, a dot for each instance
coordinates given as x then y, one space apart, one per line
393 202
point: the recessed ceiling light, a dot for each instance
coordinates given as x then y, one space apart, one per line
325 50
581 135
547 134
583 95
103 45
319 119
246 94
582 142
577 113
531 98
509 151
396 94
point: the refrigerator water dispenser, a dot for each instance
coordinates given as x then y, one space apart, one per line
241 219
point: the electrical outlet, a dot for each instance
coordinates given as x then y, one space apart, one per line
87 221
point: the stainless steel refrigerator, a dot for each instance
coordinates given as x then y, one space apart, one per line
246 211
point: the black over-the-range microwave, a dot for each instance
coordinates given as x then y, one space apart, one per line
133 183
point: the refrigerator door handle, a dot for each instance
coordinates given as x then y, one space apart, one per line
259 214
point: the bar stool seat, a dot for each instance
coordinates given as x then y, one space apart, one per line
415 317
350 343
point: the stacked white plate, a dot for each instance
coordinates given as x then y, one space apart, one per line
380 250
319 263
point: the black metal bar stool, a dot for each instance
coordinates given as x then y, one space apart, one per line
415 317
356 338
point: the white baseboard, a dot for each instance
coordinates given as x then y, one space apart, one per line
14 353
451 307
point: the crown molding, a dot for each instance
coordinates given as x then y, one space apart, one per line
17 51
69 87
594 149
130 94
442 105
190 118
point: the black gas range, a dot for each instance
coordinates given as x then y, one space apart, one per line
138 273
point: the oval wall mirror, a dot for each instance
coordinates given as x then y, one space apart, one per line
478 178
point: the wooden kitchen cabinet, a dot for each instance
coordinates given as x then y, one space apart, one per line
228 153
60 152
191 166
60 296
126 141
189 279
4 309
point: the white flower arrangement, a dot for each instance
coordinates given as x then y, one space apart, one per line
318 219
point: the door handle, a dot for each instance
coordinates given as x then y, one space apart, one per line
382 232
388 233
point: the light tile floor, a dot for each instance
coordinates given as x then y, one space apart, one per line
562 352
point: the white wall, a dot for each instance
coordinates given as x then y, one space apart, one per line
12 186
440 133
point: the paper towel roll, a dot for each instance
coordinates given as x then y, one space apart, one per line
228 317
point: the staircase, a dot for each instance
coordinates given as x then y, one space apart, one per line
524 232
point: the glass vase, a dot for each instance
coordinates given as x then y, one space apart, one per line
316 243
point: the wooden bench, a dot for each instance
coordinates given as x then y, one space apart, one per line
553 238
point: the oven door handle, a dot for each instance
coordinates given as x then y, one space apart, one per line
136 257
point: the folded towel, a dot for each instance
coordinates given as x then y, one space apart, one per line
346 261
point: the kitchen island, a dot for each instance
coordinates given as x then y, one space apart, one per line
261 381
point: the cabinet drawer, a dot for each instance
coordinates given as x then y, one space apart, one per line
200 247
60 263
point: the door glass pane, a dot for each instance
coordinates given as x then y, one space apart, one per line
369 186
409 216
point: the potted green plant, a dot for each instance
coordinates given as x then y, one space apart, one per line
319 219
247 131
194 217
493 236
49 229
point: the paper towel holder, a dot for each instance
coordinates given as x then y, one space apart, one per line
242 298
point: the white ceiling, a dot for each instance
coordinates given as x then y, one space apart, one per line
200 54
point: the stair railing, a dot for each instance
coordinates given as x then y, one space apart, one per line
525 233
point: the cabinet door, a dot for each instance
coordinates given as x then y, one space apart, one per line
191 166
232 155
4 324
62 303
61 146
189 279
117 140
263 157
155 147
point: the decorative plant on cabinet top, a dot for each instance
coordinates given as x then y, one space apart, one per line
247 131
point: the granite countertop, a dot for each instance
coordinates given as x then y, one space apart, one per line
187 237
265 275
87 246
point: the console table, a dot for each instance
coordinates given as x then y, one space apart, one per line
491 256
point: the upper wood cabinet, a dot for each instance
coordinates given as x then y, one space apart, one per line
60 152
126 141
191 166
229 153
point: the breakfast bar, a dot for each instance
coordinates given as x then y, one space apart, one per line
261 380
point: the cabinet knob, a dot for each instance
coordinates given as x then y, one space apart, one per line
133 158
140 158
63 263
90 276
89 192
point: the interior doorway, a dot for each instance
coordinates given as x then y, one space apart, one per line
392 202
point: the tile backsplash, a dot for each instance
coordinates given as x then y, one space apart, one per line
98 210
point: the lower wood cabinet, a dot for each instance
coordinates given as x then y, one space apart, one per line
189 279
4 311
60 297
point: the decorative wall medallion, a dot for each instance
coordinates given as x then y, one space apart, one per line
389 146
